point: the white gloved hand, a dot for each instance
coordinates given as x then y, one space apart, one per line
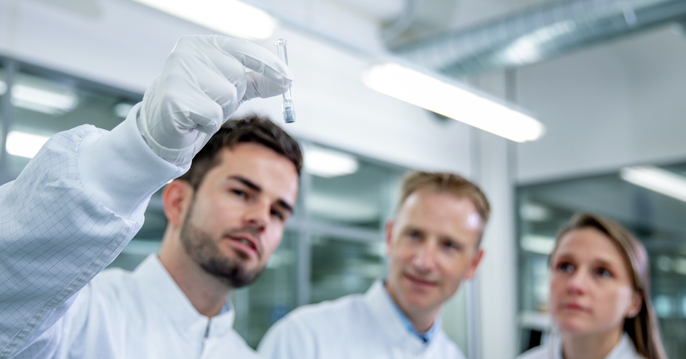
203 82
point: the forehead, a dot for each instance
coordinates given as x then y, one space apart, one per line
274 173
589 244
440 211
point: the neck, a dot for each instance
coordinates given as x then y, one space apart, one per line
206 293
421 319
590 346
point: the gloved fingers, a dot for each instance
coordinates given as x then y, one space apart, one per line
223 91
258 85
256 58
190 105
206 115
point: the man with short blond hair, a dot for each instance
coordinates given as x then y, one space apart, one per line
432 246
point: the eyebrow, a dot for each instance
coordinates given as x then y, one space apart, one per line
606 263
255 187
285 205
600 261
441 237
247 183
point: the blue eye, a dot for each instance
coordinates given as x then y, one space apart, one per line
565 267
604 273
414 235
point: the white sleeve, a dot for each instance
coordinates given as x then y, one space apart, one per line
66 217
288 339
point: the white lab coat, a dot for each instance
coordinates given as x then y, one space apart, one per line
143 314
354 326
63 220
623 350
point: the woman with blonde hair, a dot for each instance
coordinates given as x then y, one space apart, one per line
600 295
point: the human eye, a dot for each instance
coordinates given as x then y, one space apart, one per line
414 235
565 267
277 214
239 193
603 273
451 245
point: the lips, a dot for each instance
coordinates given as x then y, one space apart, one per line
574 307
245 243
420 282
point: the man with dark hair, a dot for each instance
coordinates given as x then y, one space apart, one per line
432 246
81 199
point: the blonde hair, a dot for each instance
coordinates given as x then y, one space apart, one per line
445 182
642 328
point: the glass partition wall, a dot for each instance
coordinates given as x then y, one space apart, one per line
43 103
648 200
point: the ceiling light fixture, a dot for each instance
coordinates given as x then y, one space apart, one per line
534 212
538 244
49 102
229 17
41 100
657 180
328 163
23 144
448 99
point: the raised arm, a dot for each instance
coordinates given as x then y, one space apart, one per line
82 198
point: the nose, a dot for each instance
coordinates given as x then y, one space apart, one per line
424 259
257 215
577 282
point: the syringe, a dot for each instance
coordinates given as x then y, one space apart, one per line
288 109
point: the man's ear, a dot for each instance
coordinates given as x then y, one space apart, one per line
475 263
176 198
389 235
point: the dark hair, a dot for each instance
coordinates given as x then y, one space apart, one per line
642 329
250 129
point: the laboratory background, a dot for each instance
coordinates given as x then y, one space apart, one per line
551 106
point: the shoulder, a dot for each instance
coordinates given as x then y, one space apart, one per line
309 331
535 353
311 321
328 311
447 347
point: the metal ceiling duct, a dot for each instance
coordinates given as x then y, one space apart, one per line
540 33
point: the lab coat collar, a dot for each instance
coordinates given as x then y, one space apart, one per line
625 349
158 286
381 305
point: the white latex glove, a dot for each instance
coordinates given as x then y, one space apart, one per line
203 83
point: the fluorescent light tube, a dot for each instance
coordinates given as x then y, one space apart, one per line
538 244
229 17
533 212
41 100
328 163
24 144
452 101
657 180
